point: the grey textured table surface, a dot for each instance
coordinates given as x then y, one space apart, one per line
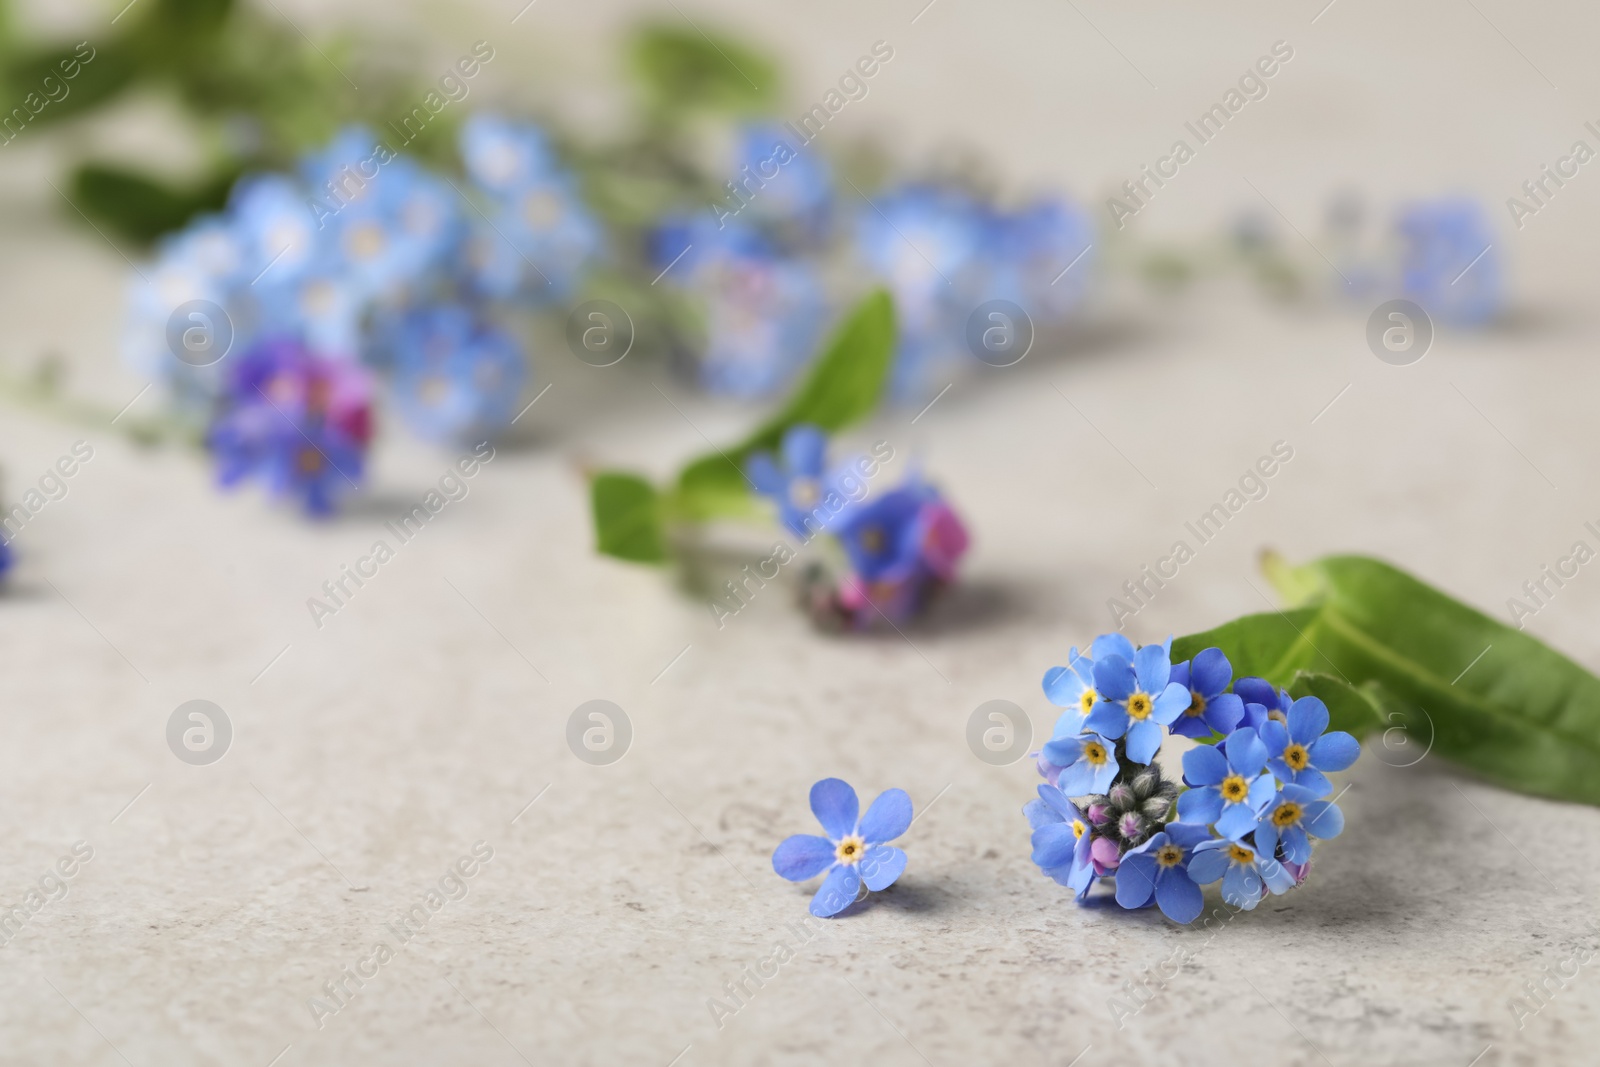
373 753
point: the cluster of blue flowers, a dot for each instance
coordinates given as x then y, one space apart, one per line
1257 782
364 260
1440 253
900 546
757 265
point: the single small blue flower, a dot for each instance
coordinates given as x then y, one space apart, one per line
1246 874
1262 701
280 232
1061 840
854 852
1136 700
1159 868
503 156
1227 791
457 377
1300 753
1292 819
1088 764
1071 687
1212 709
1449 264
796 482
884 537
794 183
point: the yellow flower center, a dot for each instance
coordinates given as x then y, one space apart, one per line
1197 705
1095 753
1139 706
309 461
1240 854
872 539
366 241
1297 757
1169 855
850 850
1234 789
1078 829
541 209
1288 814
1086 701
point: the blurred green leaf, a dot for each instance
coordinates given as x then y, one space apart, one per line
844 386
141 208
680 68
110 70
1489 696
627 517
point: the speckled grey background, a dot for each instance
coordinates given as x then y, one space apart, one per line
430 714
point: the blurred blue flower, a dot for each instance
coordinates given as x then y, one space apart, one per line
855 851
1028 252
457 377
781 180
763 311
1448 263
796 483
925 243
296 422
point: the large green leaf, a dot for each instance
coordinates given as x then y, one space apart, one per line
627 517
1490 697
142 208
680 67
844 386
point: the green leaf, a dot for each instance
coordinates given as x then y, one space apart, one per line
844 386
681 68
1490 697
139 207
108 72
627 517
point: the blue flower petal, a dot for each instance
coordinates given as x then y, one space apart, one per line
1144 739
1201 806
1224 712
1266 837
1204 765
887 818
1256 691
1211 672
1275 736
1241 886
881 866
803 856
1053 845
1185 835
1261 793
1177 896
1235 821
834 804
838 892
1039 815
1065 810
1104 776
1152 668
1311 779
765 475
1063 751
1170 703
1246 754
1112 645
1323 819
1063 687
1136 881
1113 677
1206 867
1308 718
1107 720
1335 751
803 450
1296 845
1277 876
